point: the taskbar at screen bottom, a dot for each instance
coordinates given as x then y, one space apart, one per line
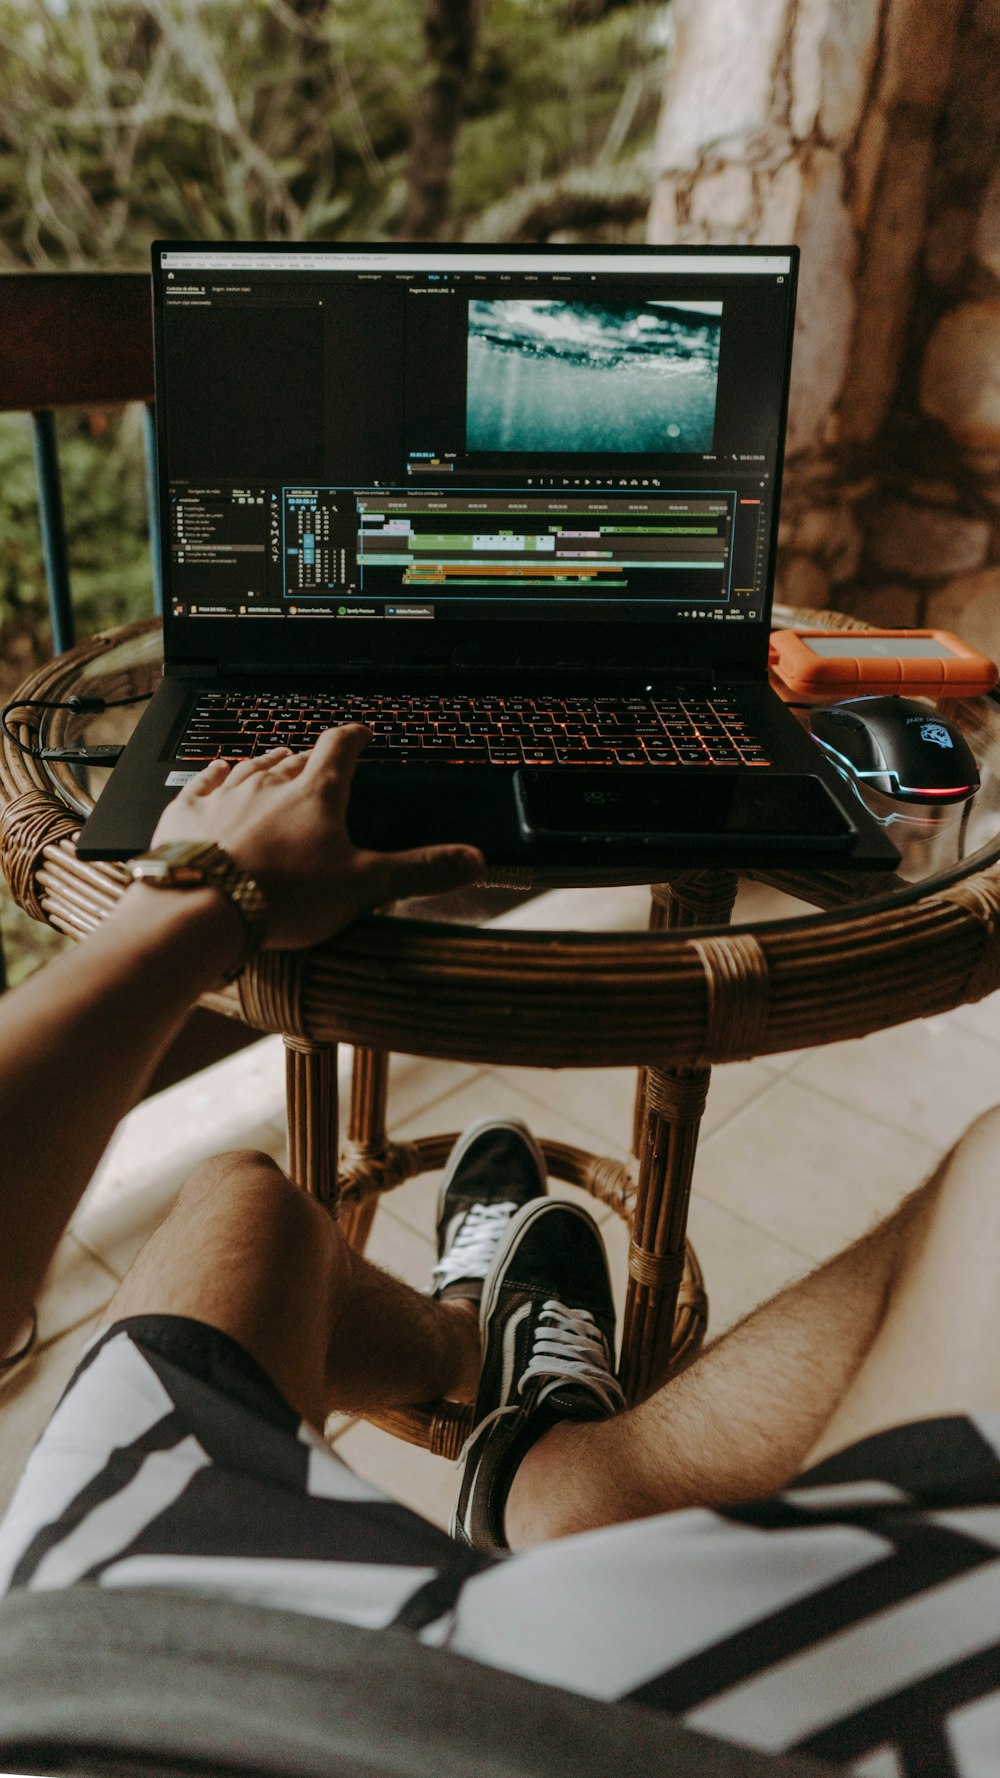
492 611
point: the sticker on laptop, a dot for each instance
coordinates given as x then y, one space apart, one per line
174 780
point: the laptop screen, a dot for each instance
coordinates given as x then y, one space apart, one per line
398 436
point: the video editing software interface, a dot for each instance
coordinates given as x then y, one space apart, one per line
374 436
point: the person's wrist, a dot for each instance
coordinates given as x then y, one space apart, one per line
187 865
197 925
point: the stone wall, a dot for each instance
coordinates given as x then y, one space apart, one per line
867 131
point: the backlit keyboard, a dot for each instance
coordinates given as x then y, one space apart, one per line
501 731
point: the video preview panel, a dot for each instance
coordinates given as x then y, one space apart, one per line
625 378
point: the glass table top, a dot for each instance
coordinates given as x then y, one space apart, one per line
938 843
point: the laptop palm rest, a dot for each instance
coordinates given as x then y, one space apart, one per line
683 819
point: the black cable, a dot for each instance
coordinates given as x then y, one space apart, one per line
103 754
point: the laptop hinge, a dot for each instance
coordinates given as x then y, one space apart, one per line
258 670
698 678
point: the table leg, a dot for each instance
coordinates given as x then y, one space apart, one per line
669 1106
311 1101
367 1141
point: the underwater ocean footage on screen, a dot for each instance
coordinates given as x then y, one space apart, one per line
629 377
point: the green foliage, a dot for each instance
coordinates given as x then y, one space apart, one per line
204 118
546 101
104 501
124 120
103 477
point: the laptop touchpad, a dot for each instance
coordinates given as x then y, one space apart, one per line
656 806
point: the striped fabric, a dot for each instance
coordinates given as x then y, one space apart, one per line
855 1616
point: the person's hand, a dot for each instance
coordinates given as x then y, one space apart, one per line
282 817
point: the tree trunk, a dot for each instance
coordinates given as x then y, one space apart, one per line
867 131
294 42
451 32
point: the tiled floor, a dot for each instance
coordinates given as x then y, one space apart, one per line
798 1155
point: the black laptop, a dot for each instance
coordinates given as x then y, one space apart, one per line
515 509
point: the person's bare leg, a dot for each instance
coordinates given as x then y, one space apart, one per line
803 1374
247 1252
937 1351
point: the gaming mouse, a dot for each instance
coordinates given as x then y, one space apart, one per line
900 747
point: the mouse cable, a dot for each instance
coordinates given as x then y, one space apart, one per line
963 828
100 755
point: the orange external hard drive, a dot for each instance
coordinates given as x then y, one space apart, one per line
818 663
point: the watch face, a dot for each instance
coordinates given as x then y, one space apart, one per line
180 862
184 851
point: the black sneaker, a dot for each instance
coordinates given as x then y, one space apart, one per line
493 1170
23 1343
548 1324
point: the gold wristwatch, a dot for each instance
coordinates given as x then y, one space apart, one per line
199 864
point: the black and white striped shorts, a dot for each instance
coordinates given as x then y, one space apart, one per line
855 1616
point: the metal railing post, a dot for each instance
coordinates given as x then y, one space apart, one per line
50 511
153 505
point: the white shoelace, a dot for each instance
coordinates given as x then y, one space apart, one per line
570 1348
472 1250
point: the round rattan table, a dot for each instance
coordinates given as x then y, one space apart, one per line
874 950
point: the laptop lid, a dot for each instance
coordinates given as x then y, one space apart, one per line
477 456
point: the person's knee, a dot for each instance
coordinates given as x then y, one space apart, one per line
984 1131
233 1167
242 1205
573 1479
264 1197
247 1173
963 1186
970 1170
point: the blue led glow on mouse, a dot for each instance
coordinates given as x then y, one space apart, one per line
898 746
